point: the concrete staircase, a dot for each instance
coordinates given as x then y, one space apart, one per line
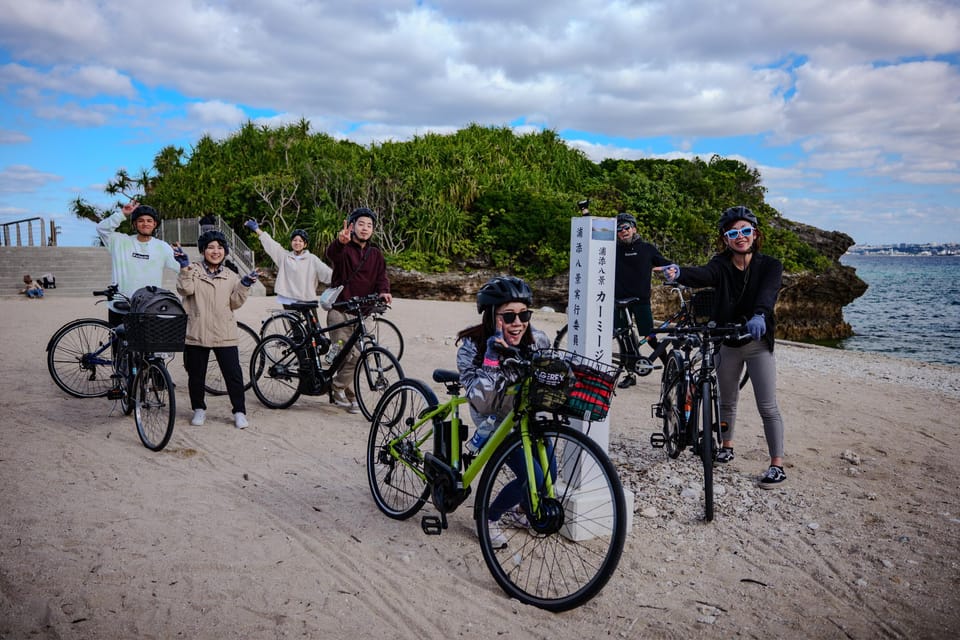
78 270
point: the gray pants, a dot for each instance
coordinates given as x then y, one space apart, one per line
762 367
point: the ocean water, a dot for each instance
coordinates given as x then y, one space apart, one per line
910 310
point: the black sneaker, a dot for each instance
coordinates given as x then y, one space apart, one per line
724 455
772 477
628 381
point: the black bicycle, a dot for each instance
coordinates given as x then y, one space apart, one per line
379 331
89 358
689 400
283 368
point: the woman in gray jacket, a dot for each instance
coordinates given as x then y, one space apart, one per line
504 304
210 294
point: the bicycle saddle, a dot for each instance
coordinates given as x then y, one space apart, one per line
444 376
302 306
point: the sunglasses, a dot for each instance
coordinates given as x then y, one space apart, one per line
733 234
624 227
510 316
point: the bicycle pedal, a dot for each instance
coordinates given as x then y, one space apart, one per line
658 440
115 394
656 410
432 525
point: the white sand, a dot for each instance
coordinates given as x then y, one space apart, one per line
271 532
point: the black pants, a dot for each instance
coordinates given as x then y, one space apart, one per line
195 360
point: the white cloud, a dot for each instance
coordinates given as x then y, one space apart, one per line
24 179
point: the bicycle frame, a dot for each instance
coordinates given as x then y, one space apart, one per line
473 467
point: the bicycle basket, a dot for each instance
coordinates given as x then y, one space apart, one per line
703 303
153 332
571 384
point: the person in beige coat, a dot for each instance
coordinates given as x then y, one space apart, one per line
210 294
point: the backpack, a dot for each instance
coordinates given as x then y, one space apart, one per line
154 300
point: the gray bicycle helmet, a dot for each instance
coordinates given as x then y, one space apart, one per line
626 218
144 210
733 214
210 236
501 290
360 212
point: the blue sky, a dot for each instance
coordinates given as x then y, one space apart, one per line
850 110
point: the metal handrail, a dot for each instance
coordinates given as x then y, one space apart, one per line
15 225
187 230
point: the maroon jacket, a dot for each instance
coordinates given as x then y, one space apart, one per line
362 271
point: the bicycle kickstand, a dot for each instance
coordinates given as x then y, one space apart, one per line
434 525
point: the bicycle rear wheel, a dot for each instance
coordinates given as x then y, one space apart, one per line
275 372
286 323
394 458
707 447
388 336
80 358
248 341
154 405
572 546
673 396
376 370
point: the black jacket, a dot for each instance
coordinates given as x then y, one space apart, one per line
634 262
740 294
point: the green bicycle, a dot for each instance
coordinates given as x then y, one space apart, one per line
550 492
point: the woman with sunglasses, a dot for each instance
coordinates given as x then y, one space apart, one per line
747 283
504 304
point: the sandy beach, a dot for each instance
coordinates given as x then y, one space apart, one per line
271 532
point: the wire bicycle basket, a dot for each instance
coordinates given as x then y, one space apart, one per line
571 384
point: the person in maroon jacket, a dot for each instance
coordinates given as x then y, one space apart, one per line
360 267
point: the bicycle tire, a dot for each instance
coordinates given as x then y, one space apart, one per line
564 558
672 399
388 336
275 372
154 405
706 447
79 358
376 370
286 323
396 476
561 334
246 344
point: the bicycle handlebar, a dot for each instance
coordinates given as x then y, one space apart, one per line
709 332
356 303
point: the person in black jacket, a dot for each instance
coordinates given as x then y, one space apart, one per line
636 261
747 283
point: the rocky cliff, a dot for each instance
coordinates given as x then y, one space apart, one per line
810 306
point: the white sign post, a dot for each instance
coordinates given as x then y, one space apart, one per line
590 309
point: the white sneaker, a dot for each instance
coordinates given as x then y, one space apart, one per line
515 518
353 408
340 398
240 420
497 539
199 417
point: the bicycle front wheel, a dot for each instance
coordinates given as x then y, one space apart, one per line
154 405
388 336
376 370
275 372
562 555
394 455
247 342
79 358
706 447
673 396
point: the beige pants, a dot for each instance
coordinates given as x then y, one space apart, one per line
343 380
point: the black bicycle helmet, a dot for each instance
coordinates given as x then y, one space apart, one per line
733 214
144 210
501 290
360 212
626 218
210 236
302 233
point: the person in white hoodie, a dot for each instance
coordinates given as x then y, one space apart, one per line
299 272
